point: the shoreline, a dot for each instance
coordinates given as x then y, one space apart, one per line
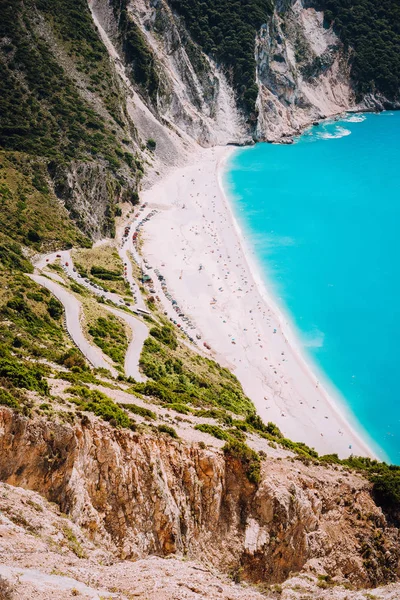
270 364
332 394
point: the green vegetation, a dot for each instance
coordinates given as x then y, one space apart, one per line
256 423
372 29
180 408
30 321
103 273
72 542
213 430
100 405
180 376
78 289
30 329
109 334
73 24
140 410
213 413
42 110
168 430
6 399
237 450
151 144
30 213
166 335
12 258
59 102
21 375
137 53
226 30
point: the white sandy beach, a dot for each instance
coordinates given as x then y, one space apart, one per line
231 309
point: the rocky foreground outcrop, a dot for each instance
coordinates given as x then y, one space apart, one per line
147 494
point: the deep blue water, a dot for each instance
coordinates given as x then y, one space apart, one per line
323 218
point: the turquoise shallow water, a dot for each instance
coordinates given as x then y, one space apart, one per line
323 218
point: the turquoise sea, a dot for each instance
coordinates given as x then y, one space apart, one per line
323 219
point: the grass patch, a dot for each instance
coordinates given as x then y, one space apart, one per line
100 405
238 451
179 376
109 334
139 410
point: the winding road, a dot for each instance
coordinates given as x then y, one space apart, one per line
140 334
73 308
73 312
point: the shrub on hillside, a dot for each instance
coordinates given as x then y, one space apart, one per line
250 460
23 376
386 490
168 430
140 410
213 430
166 335
100 405
6 399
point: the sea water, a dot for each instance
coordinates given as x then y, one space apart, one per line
322 217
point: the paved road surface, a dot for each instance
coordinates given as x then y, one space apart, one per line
72 308
140 333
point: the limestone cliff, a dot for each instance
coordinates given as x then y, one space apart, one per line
44 555
189 94
302 71
144 495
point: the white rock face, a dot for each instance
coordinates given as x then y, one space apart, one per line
255 537
302 73
194 97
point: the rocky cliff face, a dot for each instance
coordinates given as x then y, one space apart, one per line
91 193
302 71
191 95
44 555
147 494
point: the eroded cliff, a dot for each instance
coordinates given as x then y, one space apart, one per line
303 72
144 494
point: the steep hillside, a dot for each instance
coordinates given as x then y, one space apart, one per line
97 100
371 33
183 89
62 108
139 493
50 557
